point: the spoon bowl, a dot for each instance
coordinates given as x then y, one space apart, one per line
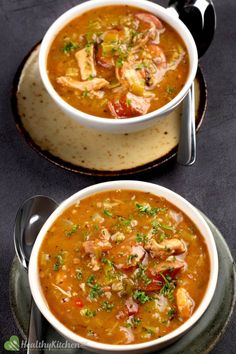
30 218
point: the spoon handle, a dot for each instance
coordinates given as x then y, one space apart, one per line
35 329
187 142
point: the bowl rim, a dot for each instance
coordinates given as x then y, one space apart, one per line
76 11
155 189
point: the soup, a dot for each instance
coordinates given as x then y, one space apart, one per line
123 267
117 62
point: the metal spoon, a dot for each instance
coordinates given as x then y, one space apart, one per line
29 220
200 18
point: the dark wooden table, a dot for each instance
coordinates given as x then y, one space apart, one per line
210 184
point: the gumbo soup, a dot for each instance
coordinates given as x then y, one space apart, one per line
117 62
123 267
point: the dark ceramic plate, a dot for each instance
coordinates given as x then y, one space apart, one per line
64 142
200 339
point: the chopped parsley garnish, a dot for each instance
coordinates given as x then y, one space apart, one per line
136 321
69 46
131 257
107 213
171 313
123 221
87 312
133 322
170 90
91 77
59 263
119 62
95 291
91 279
162 237
141 296
168 288
146 209
107 261
78 274
142 274
157 225
85 93
73 229
140 237
107 306
128 102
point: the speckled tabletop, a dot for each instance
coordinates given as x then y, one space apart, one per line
210 184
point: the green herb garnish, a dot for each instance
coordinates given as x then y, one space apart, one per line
146 209
107 306
69 46
59 263
142 274
170 90
87 312
123 221
140 237
141 296
107 261
95 292
73 229
157 225
78 274
119 62
131 257
168 288
107 213
171 313
91 279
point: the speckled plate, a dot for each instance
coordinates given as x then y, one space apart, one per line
64 142
200 339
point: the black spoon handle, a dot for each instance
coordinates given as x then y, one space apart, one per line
200 18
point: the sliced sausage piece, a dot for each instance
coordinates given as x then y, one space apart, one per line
165 248
89 85
129 105
185 304
85 60
150 19
155 274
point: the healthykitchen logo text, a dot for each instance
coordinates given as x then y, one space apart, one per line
14 345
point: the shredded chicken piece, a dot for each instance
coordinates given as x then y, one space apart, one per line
105 234
93 247
168 265
165 248
185 303
89 85
85 60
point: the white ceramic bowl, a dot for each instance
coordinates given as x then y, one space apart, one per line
175 199
118 125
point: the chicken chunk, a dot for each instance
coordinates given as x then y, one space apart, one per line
85 60
96 246
185 304
165 248
89 85
172 266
